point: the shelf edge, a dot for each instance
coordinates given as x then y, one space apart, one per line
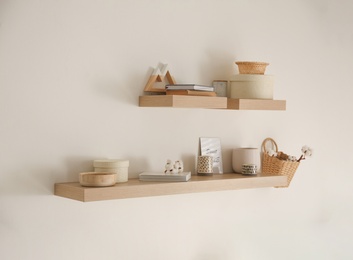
136 189
181 101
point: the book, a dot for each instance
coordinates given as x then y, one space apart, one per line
161 176
191 92
189 87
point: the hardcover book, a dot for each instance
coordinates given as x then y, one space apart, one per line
189 87
191 92
161 176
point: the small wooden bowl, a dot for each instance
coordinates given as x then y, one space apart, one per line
250 67
97 179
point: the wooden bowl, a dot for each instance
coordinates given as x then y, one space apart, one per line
97 179
250 67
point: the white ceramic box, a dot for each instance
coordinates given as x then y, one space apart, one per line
250 86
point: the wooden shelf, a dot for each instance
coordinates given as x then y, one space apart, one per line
210 102
182 101
135 188
256 104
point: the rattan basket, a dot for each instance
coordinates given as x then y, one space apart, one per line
250 67
271 165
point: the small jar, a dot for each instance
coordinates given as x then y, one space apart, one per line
205 165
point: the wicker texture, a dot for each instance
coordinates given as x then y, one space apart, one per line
249 67
271 165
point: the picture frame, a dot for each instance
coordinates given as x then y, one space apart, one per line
212 146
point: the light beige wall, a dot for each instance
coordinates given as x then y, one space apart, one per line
70 76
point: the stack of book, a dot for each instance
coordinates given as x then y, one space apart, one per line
190 89
161 176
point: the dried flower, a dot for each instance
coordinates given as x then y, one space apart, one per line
282 156
168 166
179 166
272 152
175 168
307 151
292 158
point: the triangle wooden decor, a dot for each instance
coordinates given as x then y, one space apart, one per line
158 76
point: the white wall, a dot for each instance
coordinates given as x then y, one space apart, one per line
70 76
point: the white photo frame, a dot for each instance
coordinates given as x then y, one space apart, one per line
212 146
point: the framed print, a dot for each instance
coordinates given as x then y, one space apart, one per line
212 146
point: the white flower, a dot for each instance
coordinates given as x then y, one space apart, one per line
272 152
168 166
307 151
179 166
292 158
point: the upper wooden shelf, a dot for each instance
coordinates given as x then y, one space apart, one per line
135 188
210 102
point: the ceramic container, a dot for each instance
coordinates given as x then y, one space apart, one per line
249 169
242 156
251 86
120 167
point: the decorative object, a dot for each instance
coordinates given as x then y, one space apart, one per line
158 75
251 67
118 166
251 86
168 167
220 87
205 165
249 169
177 167
275 162
173 172
242 156
97 179
212 146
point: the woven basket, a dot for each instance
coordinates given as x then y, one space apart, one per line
249 67
273 166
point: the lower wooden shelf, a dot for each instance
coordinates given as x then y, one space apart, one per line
135 188
210 102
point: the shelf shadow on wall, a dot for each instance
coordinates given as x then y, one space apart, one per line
126 90
29 180
39 179
189 161
218 65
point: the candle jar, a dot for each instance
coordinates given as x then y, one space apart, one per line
205 165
